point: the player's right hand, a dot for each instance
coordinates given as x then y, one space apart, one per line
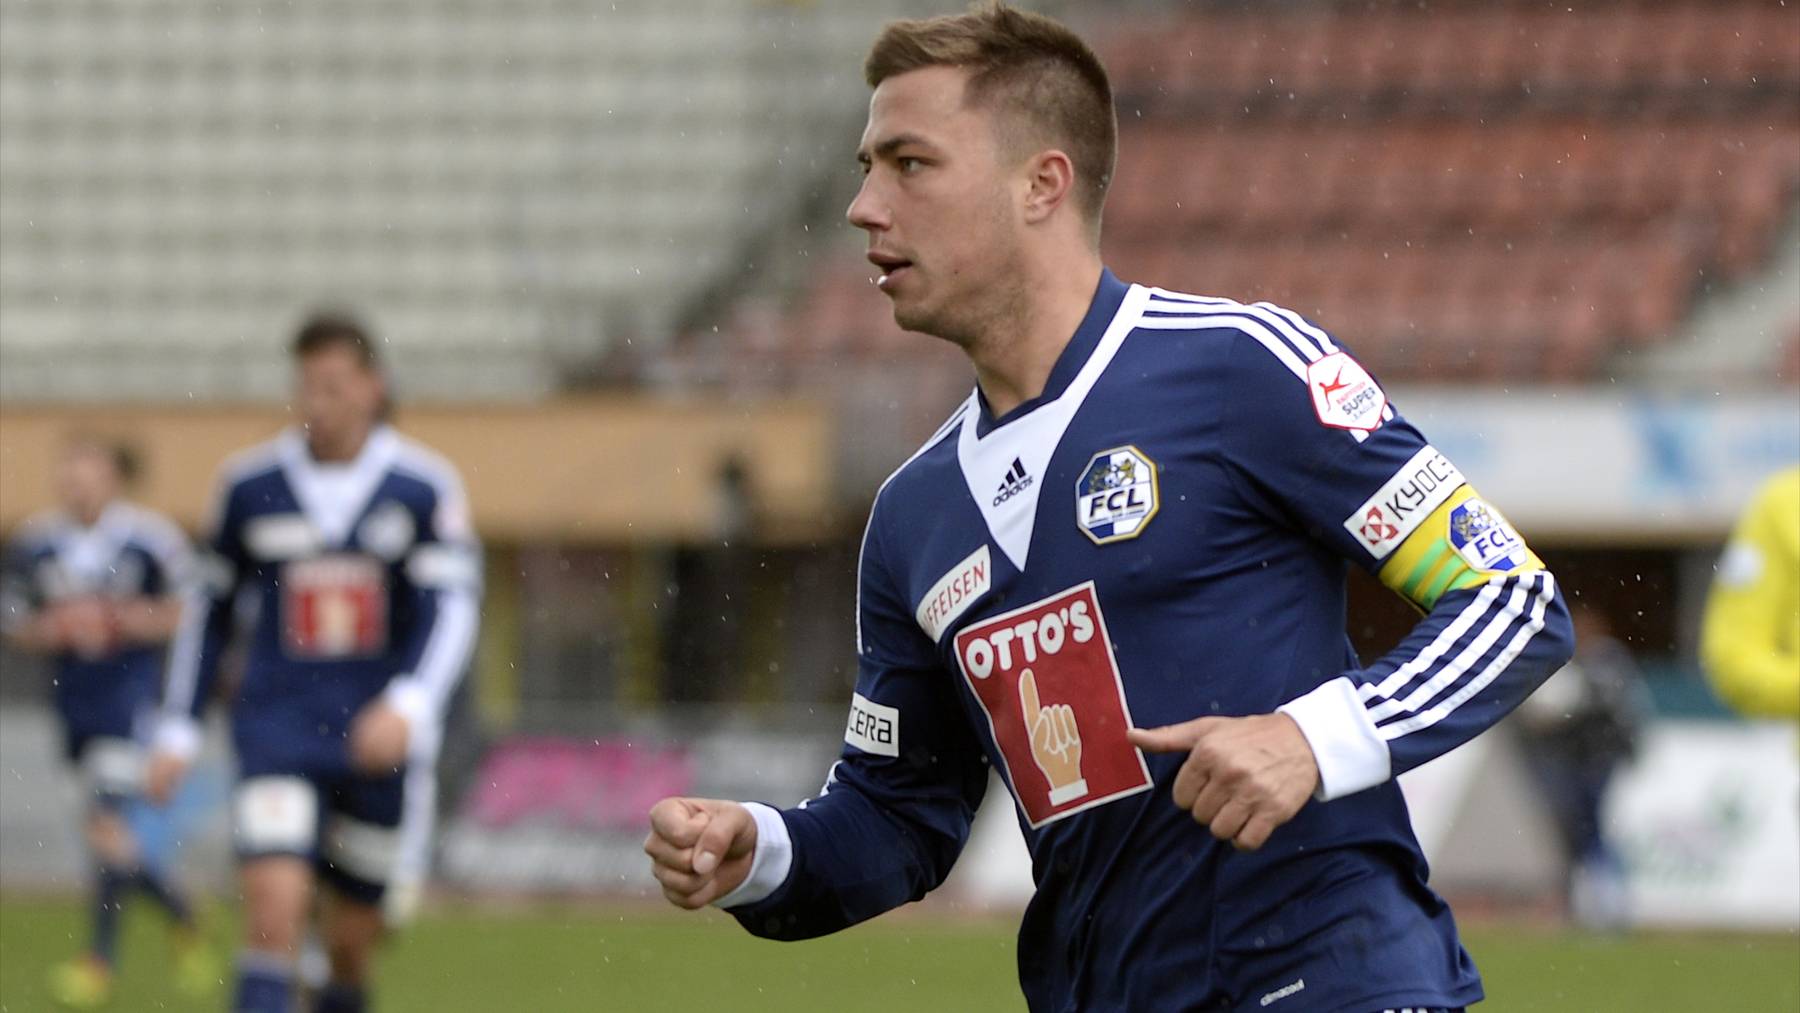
163 776
700 849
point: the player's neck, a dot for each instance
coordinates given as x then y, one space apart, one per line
87 515
1016 352
338 450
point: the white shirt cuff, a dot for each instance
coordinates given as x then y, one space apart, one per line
771 862
177 735
413 701
1350 753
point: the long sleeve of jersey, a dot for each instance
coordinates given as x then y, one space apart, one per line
443 581
897 806
206 623
1316 446
19 597
1750 639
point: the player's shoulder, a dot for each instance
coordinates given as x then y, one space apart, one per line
422 464
257 462
152 530
1265 361
40 532
1249 334
926 475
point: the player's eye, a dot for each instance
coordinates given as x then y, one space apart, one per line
908 164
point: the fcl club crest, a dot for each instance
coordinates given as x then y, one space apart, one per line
1484 538
1116 495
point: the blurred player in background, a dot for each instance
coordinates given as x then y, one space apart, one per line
1577 729
1750 641
95 586
1117 574
355 545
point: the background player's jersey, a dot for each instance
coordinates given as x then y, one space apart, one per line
1751 637
360 579
130 552
1163 535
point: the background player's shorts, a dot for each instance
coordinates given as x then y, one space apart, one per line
349 827
111 767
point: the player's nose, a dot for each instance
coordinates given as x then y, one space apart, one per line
868 211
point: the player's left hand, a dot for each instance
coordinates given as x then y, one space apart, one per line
1243 776
378 738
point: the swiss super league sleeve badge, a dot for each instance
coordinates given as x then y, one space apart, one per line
1116 495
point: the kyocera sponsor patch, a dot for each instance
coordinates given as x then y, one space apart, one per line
873 728
1344 395
954 592
1420 486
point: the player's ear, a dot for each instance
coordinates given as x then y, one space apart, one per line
1050 181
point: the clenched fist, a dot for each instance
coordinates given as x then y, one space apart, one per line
1243 776
700 849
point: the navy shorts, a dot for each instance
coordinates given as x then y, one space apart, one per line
347 825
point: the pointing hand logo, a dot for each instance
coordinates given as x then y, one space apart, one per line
1055 741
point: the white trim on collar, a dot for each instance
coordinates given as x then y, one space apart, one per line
1008 495
334 515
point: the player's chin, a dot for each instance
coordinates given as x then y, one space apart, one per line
912 315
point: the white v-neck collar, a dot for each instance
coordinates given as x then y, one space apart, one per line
1005 468
90 550
332 504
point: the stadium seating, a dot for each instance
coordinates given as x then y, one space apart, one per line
508 193
1481 192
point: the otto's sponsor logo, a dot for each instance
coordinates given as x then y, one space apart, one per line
873 728
1484 539
334 607
1017 480
1343 393
1027 640
1420 486
954 592
1046 678
1116 495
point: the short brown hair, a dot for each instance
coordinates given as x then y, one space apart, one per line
1040 72
336 330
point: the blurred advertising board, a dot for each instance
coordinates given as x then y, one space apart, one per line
547 814
1631 465
1708 823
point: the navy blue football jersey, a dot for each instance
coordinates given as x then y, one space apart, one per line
129 552
351 580
1164 534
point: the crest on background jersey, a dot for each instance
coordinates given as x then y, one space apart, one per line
1344 395
1484 539
387 531
1116 495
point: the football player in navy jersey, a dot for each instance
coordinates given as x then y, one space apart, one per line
353 547
1116 576
94 586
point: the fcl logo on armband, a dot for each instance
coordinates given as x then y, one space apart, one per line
334 607
1484 539
1047 680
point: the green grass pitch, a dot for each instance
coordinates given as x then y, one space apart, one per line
643 958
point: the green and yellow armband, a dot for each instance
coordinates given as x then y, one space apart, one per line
1462 543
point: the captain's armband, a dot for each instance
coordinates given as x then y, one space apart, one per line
1462 543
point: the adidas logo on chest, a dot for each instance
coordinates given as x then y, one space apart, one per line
1017 480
